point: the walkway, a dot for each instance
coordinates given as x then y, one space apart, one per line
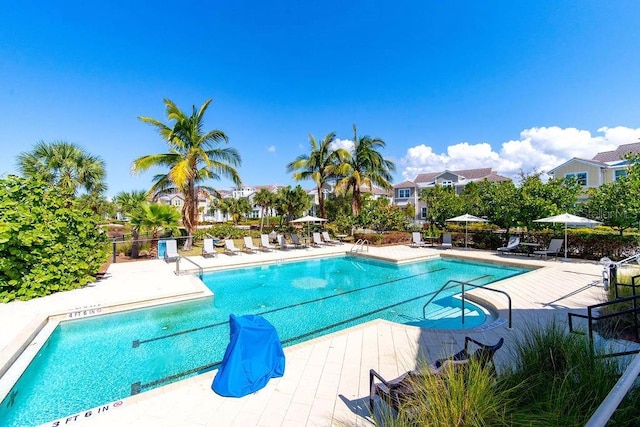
326 379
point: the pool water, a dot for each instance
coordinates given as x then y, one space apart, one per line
90 362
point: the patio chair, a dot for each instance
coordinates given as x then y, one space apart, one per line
296 241
230 247
399 391
208 248
328 240
283 243
317 240
171 251
264 243
512 245
416 240
249 247
555 246
446 241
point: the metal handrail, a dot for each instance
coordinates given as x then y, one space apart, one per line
618 392
361 243
463 284
200 269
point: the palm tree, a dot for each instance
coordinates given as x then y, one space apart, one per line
366 167
65 165
263 198
235 208
194 156
128 203
292 202
320 165
153 217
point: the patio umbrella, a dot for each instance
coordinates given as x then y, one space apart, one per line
308 219
466 218
568 219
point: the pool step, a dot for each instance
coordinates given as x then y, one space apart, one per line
450 313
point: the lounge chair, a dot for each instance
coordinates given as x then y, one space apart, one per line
555 246
446 241
171 251
512 245
283 243
399 391
208 248
317 240
264 243
296 241
249 247
328 240
230 247
416 240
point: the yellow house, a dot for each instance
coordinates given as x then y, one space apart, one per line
604 167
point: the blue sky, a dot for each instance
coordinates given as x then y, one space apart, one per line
446 84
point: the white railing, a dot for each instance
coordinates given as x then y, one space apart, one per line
200 269
362 245
615 396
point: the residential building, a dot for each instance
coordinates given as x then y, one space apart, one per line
604 167
408 192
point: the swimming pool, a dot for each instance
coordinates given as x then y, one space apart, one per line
92 361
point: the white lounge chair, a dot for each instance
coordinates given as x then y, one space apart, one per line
446 241
264 243
328 240
208 248
317 240
230 247
283 243
555 246
249 246
416 240
512 245
171 251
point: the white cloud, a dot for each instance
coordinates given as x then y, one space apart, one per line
272 149
347 144
539 149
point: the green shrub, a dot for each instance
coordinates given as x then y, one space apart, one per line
47 242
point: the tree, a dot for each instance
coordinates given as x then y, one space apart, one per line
365 167
48 243
263 198
64 165
320 165
235 208
194 156
128 203
292 203
442 203
538 199
499 202
153 217
612 204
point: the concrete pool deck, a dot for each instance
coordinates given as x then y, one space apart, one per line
326 379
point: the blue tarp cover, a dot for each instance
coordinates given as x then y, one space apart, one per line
254 356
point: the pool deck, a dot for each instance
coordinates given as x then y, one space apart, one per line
326 380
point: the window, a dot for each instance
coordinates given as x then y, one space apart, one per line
447 183
404 193
581 177
423 212
620 173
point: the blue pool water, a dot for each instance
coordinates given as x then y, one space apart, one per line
92 361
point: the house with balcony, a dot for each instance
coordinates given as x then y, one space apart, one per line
603 168
408 192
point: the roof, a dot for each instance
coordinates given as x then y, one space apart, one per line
405 184
577 159
465 173
618 153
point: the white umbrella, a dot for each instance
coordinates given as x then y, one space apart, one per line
308 219
466 218
568 219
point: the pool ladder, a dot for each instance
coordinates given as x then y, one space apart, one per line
362 245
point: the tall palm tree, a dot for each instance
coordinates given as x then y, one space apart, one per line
292 202
320 165
194 156
366 167
128 203
153 217
263 198
65 165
